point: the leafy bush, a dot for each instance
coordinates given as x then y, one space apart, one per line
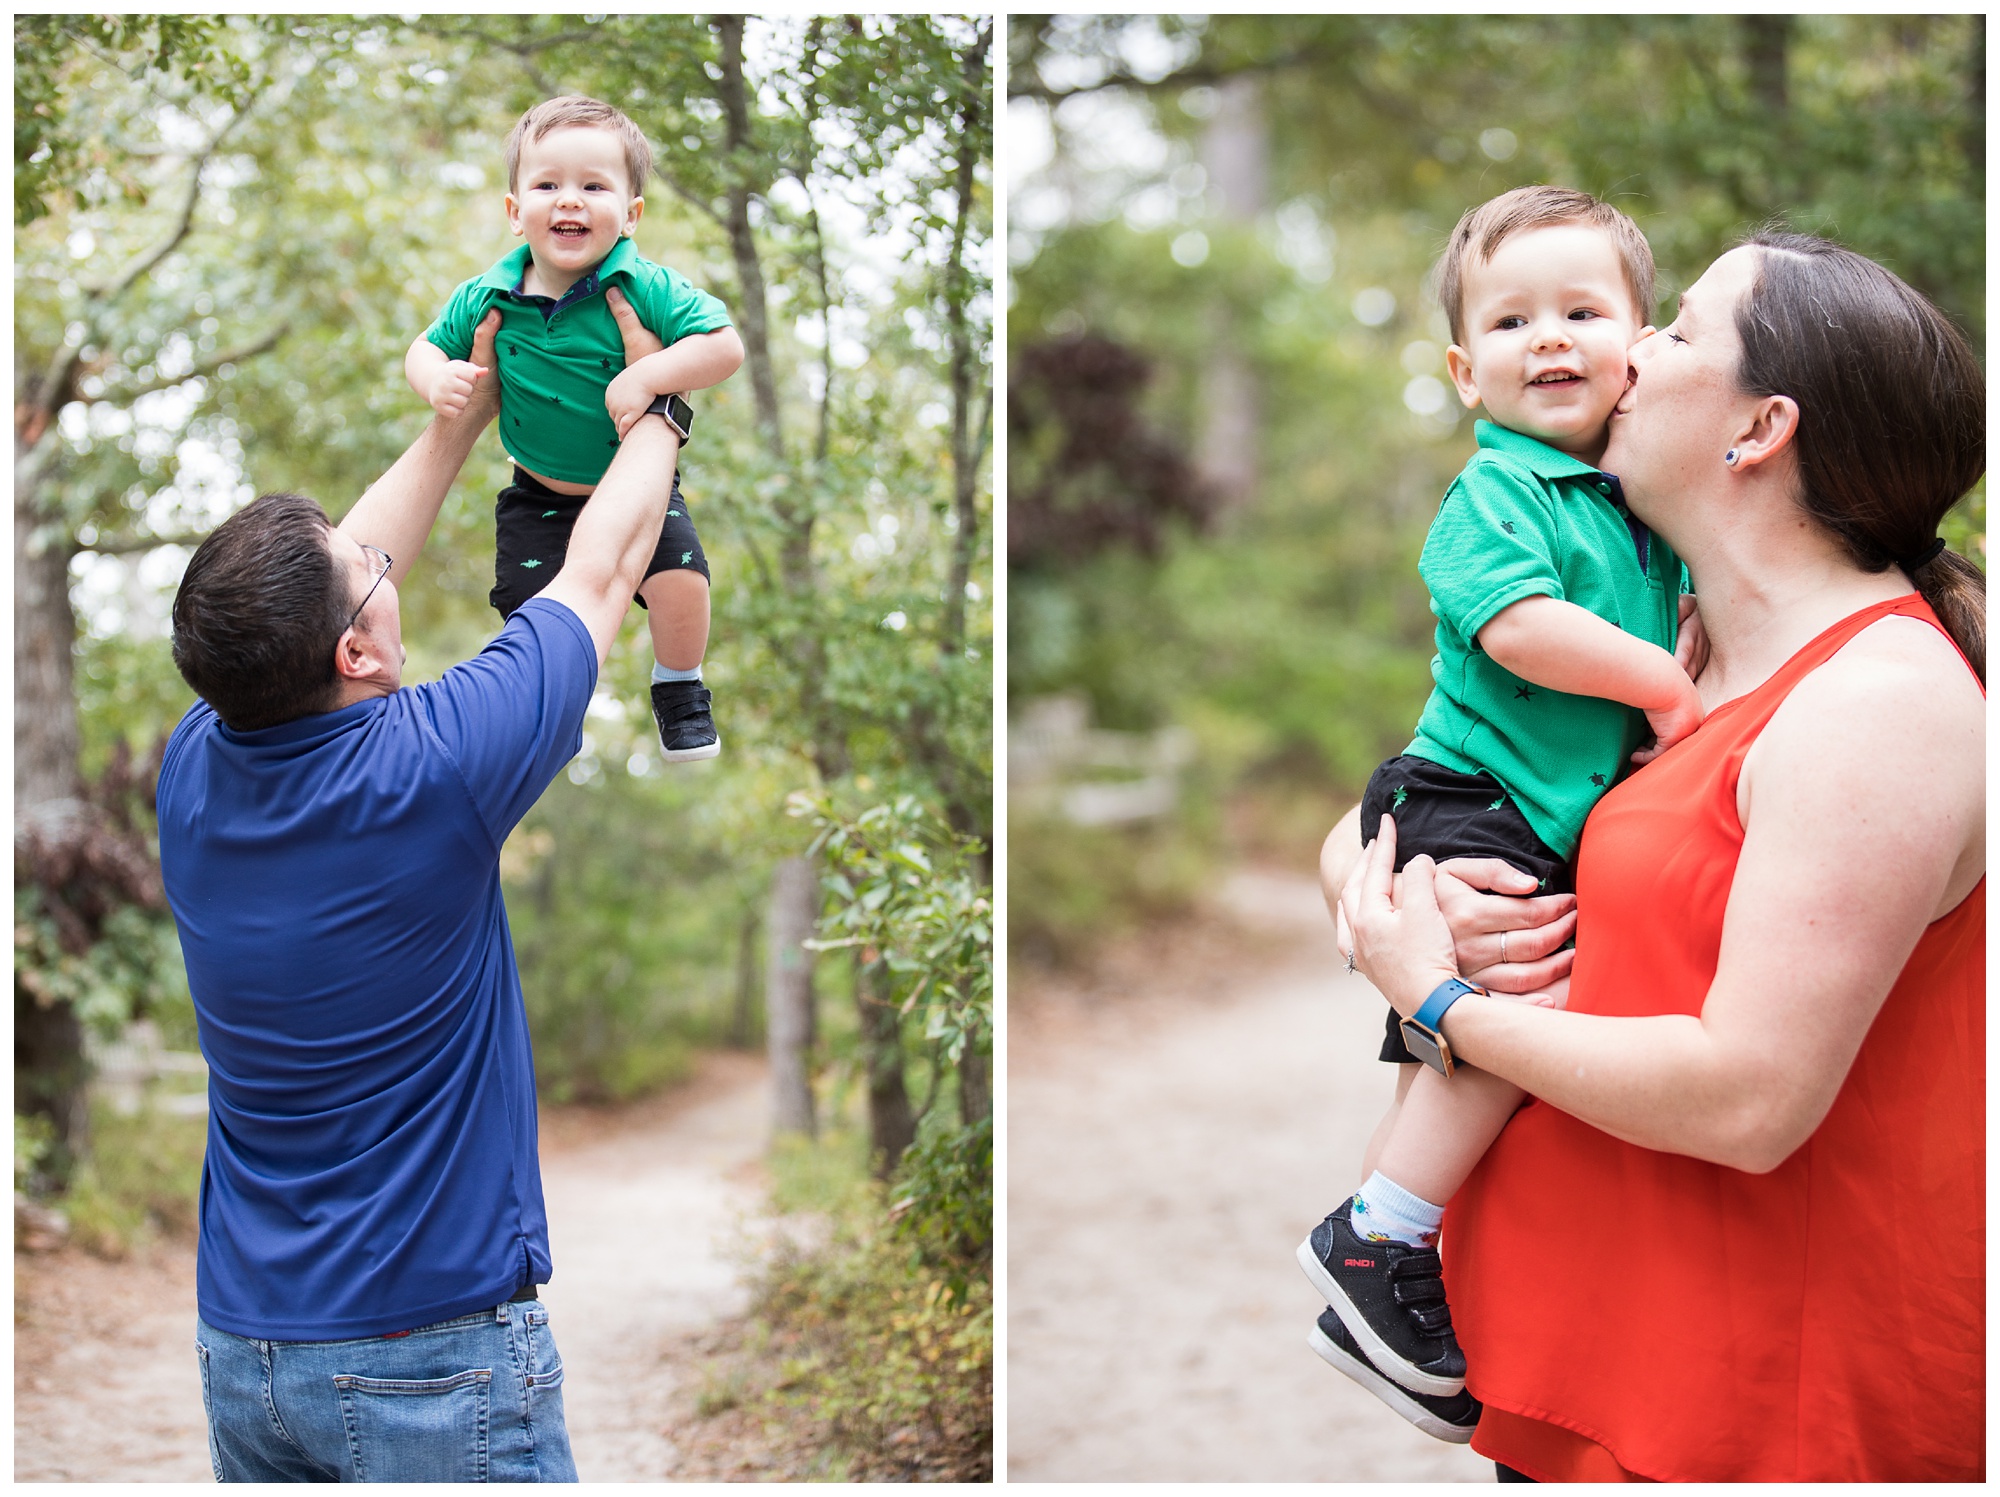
882 1331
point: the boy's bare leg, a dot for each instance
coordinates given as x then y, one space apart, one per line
1371 1158
1441 1128
677 615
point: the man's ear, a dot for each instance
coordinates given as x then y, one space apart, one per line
1458 363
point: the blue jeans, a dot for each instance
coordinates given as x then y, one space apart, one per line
478 1398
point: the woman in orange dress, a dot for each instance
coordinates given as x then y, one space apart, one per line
1739 1233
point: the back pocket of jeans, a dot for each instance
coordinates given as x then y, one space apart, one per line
416 1429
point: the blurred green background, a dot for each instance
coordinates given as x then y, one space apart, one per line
1229 425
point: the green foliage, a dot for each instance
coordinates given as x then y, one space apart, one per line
143 1177
944 1204
34 1137
904 887
134 964
896 1364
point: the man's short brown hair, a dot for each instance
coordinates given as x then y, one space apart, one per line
1485 228
573 110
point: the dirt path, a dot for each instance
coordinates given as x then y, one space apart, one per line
1175 1126
643 1205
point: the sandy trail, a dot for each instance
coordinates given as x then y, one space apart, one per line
1173 1132
644 1203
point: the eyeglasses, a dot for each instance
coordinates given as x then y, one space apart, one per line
386 564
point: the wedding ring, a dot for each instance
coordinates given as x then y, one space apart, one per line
1503 945
1350 964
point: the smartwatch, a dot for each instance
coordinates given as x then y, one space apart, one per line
679 414
1423 1030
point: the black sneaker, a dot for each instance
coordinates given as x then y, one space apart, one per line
687 731
1391 1297
1452 1418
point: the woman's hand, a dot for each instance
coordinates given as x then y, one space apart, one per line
1505 943
1401 942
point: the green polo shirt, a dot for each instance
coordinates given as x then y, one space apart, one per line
557 356
1524 520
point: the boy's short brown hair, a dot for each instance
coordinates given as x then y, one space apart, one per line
1485 228
575 109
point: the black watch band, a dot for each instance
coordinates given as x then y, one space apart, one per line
678 413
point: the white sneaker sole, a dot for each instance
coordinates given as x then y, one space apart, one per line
684 756
1396 1398
1378 1351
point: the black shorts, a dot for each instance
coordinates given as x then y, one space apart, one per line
532 523
1441 814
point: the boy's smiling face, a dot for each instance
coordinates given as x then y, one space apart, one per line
1547 323
572 201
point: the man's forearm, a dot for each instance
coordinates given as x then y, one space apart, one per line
618 530
400 508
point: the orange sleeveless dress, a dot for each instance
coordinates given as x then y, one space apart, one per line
1689 1322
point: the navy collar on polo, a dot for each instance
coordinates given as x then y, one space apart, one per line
1547 462
511 274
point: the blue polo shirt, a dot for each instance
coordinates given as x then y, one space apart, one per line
336 880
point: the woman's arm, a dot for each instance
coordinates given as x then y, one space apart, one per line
1863 808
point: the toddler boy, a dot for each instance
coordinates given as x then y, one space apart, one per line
576 174
1558 612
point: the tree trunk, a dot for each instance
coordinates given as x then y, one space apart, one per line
45 728
788 994
744 1014
892 1127
1767 41
50 1071
1235 151
975 1086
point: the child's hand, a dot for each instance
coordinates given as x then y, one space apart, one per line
1691 647
452 387
626 399
1671 723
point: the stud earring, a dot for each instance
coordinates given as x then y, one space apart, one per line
1729 457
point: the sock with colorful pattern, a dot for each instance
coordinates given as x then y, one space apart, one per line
1385 1212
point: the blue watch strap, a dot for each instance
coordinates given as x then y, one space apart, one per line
1442 997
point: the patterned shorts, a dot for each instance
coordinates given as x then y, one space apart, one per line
532 523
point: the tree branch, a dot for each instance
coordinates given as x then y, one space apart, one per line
125 545
128 393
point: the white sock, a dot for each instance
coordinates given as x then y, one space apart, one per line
1385 1212
668 673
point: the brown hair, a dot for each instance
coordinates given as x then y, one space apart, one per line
573 110
260 610
1484 229
1892 413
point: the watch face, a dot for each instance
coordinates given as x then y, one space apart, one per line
1429 1048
